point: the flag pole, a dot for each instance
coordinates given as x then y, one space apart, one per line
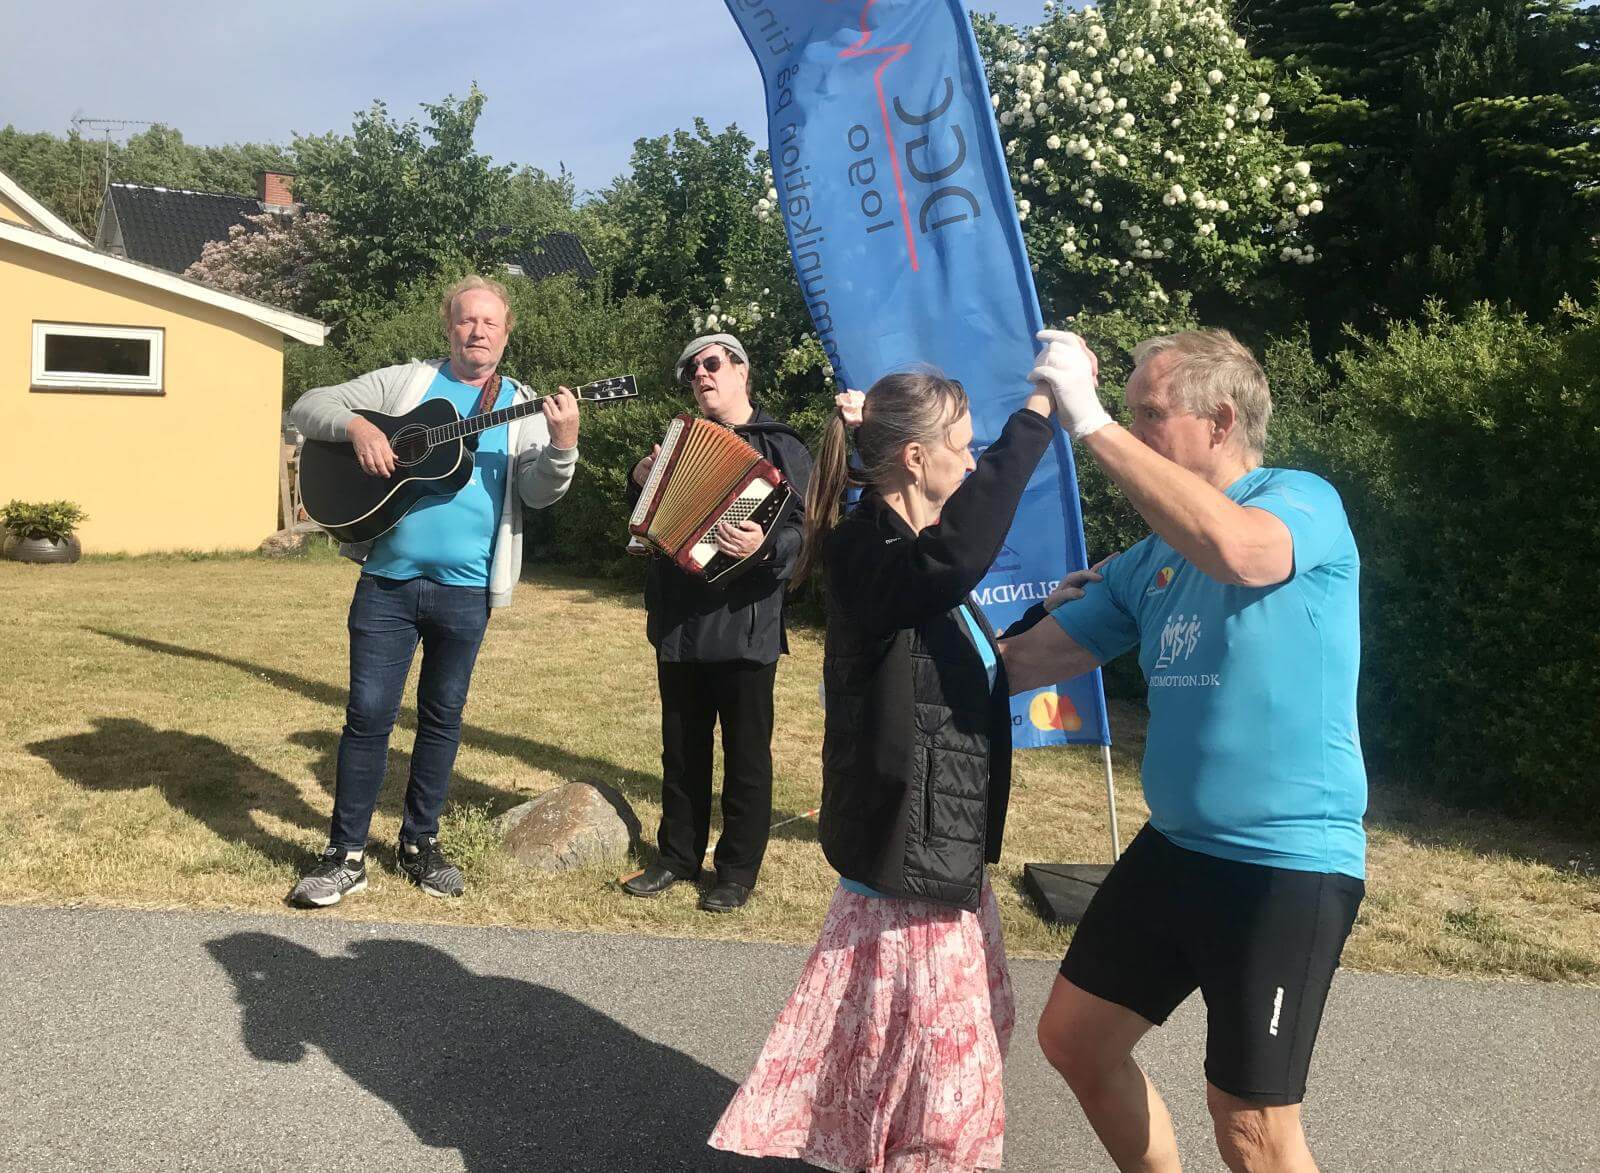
1111 804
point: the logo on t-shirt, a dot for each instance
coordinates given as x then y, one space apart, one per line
1179 638
1162 581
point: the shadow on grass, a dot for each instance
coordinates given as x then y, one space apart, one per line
1428 822
636 785
220 787
624 590
464 790
511 1074
197 775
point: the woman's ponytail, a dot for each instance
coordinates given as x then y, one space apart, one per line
830 477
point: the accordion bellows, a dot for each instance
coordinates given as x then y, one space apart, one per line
705 476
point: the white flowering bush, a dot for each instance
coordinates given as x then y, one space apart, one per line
1144 157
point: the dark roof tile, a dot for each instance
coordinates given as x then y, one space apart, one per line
562 252
169 228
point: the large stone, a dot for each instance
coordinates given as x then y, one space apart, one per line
571 826
285 541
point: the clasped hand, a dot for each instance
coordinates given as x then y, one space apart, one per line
1068 368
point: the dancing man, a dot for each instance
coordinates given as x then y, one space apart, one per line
1245 883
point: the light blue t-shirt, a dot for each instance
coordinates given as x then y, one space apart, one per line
451 539
1253 753
981 642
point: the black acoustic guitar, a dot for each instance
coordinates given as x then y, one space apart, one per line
433 447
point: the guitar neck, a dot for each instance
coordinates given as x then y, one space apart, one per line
473 424
604 391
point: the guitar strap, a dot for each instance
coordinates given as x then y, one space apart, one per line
489 396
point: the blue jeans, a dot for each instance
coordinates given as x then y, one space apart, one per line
387 619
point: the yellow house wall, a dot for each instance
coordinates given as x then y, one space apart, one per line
10 211
193 468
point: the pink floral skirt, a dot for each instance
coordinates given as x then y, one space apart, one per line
888 1055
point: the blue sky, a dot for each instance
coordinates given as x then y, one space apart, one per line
572 83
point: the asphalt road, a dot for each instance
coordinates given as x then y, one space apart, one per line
168 1041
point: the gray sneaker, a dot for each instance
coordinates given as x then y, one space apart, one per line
423 862
332 879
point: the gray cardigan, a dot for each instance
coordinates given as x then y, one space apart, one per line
540 473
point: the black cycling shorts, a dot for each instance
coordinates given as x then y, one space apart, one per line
1260 943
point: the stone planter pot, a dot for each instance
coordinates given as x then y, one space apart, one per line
42 550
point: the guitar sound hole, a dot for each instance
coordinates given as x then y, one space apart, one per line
410 444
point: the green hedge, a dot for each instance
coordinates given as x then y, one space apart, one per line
1468 455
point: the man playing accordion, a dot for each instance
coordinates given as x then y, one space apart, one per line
717 649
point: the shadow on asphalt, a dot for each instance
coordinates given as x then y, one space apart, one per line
514 1075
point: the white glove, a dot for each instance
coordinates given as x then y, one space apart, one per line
1067 367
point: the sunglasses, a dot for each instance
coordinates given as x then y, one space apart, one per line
712 363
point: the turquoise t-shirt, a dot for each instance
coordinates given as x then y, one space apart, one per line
986 651
1253 753
451 539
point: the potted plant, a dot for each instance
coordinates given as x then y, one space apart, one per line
42 532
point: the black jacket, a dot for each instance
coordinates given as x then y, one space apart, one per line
690 621
916 758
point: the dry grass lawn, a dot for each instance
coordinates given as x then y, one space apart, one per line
168 730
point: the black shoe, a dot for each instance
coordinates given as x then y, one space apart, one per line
423 862
334 877
725 897
653 881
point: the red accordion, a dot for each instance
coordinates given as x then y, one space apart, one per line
706 475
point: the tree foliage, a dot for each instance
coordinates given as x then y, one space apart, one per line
405 201
1459 137
693 225
1467 449
68 175
687 214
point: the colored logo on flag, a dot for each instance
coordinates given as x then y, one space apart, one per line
1051 710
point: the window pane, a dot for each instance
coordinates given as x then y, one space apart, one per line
97 356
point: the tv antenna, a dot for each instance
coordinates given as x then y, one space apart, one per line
106 126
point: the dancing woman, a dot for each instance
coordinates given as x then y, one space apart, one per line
888 1055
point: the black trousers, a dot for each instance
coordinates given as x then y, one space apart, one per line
694 697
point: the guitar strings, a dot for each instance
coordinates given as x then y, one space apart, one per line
482 423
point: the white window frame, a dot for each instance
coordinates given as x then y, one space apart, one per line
48 380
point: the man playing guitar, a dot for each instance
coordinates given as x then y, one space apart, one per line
432 579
